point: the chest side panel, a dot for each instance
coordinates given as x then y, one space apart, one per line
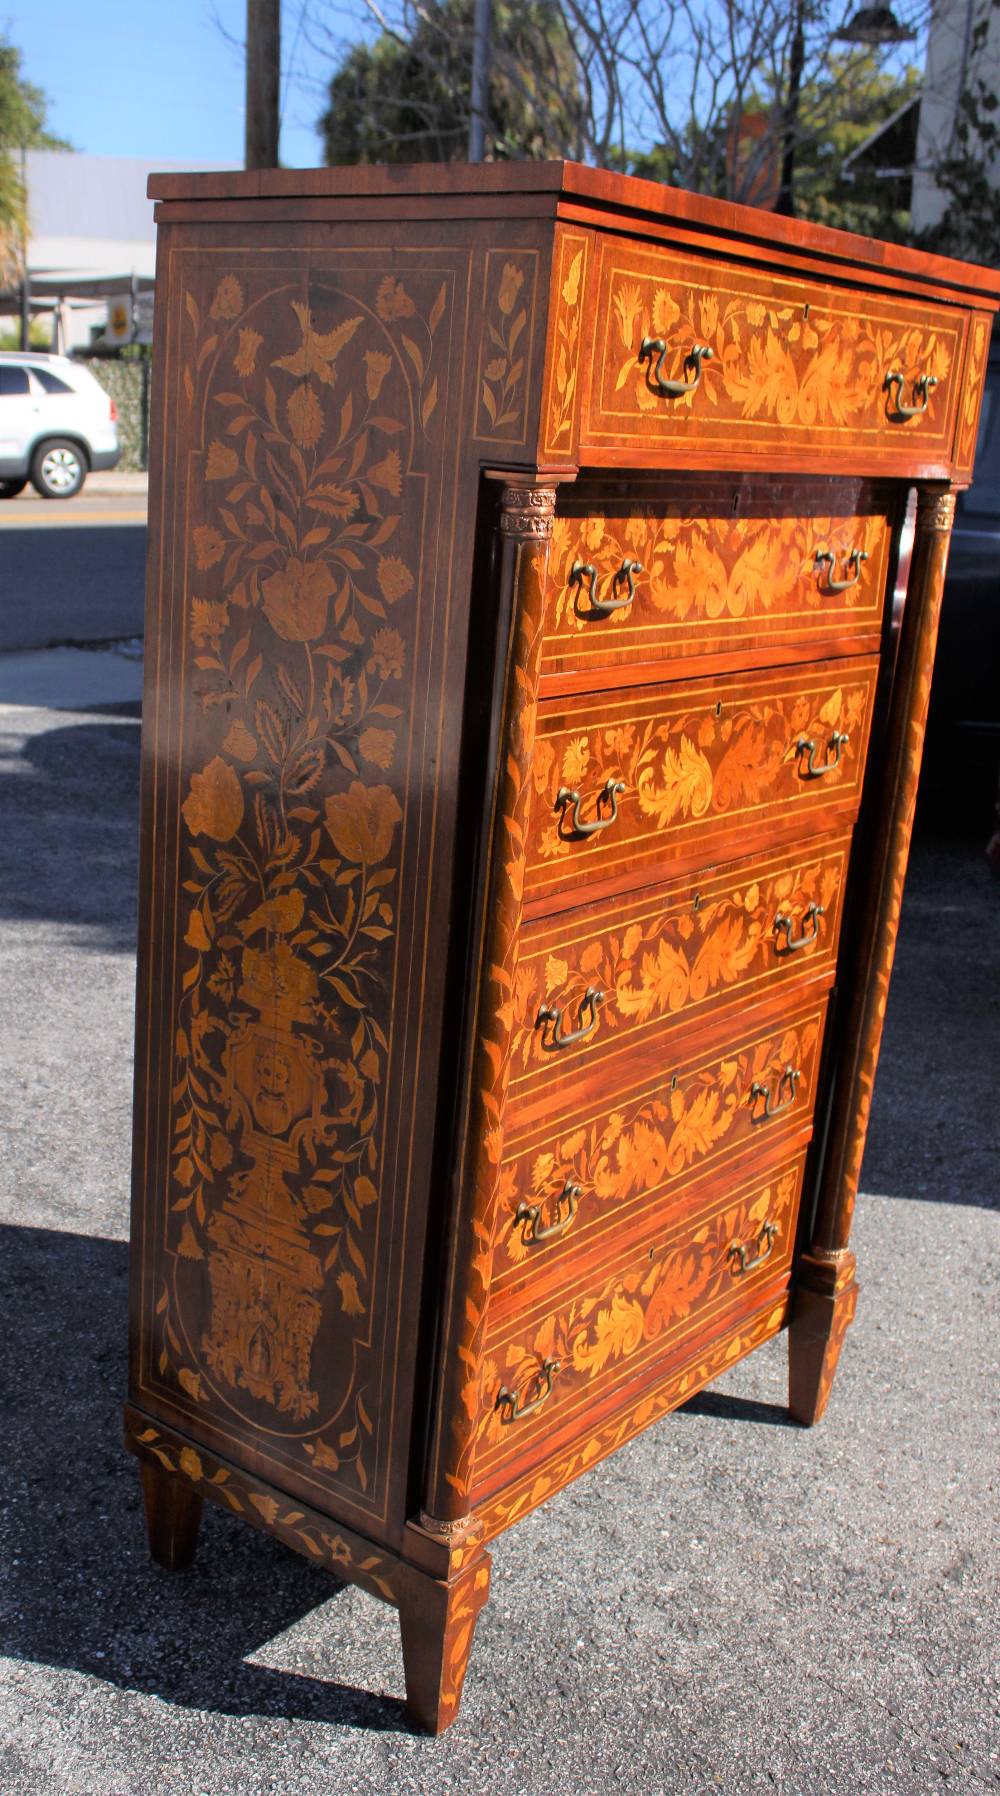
301 741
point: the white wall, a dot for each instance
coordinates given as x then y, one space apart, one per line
89 215
952 65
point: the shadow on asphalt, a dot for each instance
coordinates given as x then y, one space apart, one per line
80 1590
934 1133
738 1409
69 827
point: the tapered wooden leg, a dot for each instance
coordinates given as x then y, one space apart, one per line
173 1512
825 1302
437 1621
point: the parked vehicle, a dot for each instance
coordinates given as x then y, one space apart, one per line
56 424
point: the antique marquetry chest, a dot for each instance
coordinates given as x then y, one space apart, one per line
543 586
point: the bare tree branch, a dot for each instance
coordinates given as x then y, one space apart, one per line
664 85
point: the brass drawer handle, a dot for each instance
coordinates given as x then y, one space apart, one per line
610 793
533 1229
548 1013
790 1076
585 570
673 389
826 558
806 746
785 925
740 1255
512 1404
923 386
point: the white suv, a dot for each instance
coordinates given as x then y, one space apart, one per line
56 424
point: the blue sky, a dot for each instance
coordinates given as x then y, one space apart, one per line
156 78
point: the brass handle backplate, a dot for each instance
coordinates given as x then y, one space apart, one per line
610 793
806 746
550 1013
790 1076
923 387
513 1405
673 389
826 558
586 571
783 925
534 1230
740 1255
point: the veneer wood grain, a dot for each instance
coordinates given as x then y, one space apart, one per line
669 773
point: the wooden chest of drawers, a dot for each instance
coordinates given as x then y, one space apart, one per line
543 588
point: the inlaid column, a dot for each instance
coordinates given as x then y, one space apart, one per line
527 508
827 1291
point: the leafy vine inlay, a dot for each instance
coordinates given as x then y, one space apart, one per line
708 761
647 1143
656 1296
774 360
566 348
679 957
697 569
509 299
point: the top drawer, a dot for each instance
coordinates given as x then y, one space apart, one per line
737 570
789 366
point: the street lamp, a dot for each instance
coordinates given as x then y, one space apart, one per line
875 25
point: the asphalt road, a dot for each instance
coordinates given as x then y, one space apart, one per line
731 1604
73 570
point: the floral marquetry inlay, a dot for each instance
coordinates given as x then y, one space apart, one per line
520 1495
675 954
973 395
691 761
562 390
642 1308
303 569
656 1138
339 1552
508 311
697 570
783 356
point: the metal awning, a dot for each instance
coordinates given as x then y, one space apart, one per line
54 285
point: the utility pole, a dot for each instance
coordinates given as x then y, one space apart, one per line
790 119
263 83
480 86
25 278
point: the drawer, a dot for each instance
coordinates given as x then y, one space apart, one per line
794 366
625 782
571 1183
588 987
550 1365
711 567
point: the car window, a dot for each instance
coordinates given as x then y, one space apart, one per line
13 380
983 497
50 381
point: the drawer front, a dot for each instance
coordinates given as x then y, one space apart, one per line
680 954
548 1366
570 1185
623 781
713 568
794 365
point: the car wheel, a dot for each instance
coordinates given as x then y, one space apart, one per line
9 489
58 470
